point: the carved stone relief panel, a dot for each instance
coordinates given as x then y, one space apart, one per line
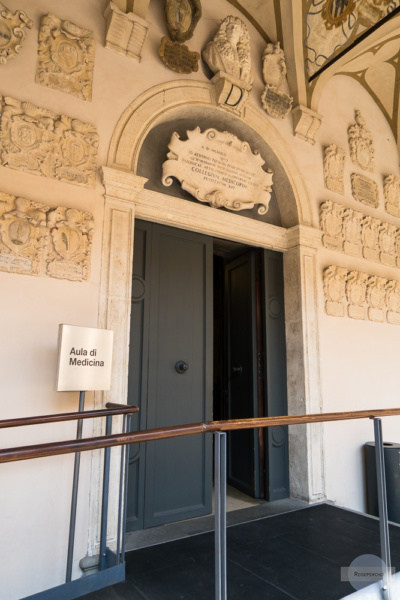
126 33
370 237
306 123
228 56
178 57
182 18
36 239
352 232
356 294
218 168
391 190
275 100
12 32
335 291
41 142
334 158
65 57
361 296
364 190
376 298
331 220
348 230
361 143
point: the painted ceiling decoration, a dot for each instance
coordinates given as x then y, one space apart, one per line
331 26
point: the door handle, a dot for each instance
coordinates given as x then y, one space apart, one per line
181 367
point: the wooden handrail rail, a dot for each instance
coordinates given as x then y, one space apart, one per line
111 409
106 441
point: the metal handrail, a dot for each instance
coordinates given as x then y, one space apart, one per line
111 409
107 441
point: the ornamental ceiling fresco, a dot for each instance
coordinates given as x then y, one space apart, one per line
333 25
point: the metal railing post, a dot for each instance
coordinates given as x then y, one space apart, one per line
220 515
104 503
74 497
121 493
126 454
383 510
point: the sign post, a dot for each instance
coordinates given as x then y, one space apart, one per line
84 363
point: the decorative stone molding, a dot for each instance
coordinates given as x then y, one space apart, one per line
391 190
364 190
361 296
41 142
276 102
361 143
125 32
65 57
306 123
334 158
12 32
350 231
228 56
219 169
36 239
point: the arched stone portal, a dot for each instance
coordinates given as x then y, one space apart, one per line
126 198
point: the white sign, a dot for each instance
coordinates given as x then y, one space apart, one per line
218 168
84 358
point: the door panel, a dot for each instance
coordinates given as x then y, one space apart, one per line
177 474
277 442
241 326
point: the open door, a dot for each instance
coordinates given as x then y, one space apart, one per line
245 450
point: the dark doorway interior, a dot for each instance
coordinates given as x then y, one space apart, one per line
218 307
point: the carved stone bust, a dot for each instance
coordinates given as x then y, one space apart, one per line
229 51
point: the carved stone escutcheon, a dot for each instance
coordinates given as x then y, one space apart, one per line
65 57
352 232
361 143
370 238
218 168
391 190
182 17
335 290
12 32
275 99
331 220
38 240
387 244
334 158
356 292
376 297
42 142
228 56
393 302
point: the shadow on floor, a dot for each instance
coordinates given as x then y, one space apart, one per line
292 556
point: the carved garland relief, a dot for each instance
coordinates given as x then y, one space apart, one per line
36 239
361 296
41 142
354 233
12 32
65 57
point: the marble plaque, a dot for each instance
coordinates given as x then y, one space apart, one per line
178 57
219 169
364 190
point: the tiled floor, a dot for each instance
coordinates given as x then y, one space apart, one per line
292 556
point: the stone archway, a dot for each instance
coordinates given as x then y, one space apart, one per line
127 199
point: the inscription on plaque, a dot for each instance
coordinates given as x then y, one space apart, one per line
219 169
178 57
364 190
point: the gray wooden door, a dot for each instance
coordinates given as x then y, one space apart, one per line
170 480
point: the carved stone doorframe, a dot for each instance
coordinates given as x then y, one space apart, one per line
126 199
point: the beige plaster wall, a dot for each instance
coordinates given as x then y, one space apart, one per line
359 359
35 505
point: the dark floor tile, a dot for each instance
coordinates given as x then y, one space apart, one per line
294 556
